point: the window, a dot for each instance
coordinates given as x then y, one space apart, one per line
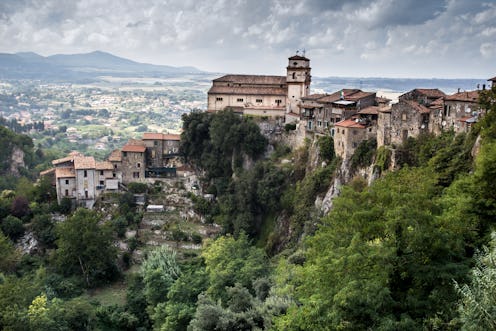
278 102
115 166
124 154
66 193
102 182
136 174
338 130
332 132
355 132
403 117
101 172
239 100
138 165
355 145
218 99
155 143
326 124
295 63
66 182
319 123
86 173
309 125
259 100
86 195
294 74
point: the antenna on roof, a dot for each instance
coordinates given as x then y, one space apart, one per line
304 51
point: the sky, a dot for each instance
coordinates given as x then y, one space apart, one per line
353 38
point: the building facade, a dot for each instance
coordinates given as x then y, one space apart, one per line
262 95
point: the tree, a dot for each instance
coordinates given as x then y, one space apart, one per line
159 272
477 306
12 227
10 256
229 261
85 248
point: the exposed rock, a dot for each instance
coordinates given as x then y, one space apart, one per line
17 161
477 146
28 243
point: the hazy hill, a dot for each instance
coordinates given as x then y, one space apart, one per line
69 67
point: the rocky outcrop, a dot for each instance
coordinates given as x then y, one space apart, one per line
17 161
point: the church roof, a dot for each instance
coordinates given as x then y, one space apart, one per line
252 79
248 90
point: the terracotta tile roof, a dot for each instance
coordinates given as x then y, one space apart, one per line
134 148
50 171
64 173
161 136
105 165
349 123
314 96
371 110
430 92
358 95
382 100
248 90
469 96
115 156
418 107
84 162
63 160
252 79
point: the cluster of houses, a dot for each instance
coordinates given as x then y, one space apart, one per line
349 115
82 179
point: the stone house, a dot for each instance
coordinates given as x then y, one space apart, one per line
322 111
162 150
133 161
82 179
349 134
262 95
460 111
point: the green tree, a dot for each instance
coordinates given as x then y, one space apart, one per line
230 261
478 298
159 271
85 248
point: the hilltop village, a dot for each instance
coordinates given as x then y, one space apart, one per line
350 116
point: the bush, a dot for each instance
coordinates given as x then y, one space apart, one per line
326 148
137 188
363 154
290 127
12 227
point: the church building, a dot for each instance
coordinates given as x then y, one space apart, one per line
261 95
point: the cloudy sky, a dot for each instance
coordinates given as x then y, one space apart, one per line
353 38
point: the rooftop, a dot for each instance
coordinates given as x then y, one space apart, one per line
161 136
64 173
245 90
84 162
115 156
134 148
104 165
430 92
371 110
298 57
468 96
252 79
349 123
418 107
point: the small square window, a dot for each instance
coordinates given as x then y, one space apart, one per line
66 182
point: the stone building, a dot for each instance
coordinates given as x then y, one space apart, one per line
262 95
412 115
133 161
460 111
82 179
349 134
162 149
322 111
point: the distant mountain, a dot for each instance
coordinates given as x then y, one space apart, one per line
71 67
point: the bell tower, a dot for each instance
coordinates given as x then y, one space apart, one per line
298 80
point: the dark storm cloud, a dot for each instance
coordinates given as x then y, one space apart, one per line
351 37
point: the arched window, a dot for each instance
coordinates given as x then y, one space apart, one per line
294 75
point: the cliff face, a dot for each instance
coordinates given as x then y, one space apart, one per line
17 161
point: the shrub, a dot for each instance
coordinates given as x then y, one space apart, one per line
290 127
12 227
137 188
